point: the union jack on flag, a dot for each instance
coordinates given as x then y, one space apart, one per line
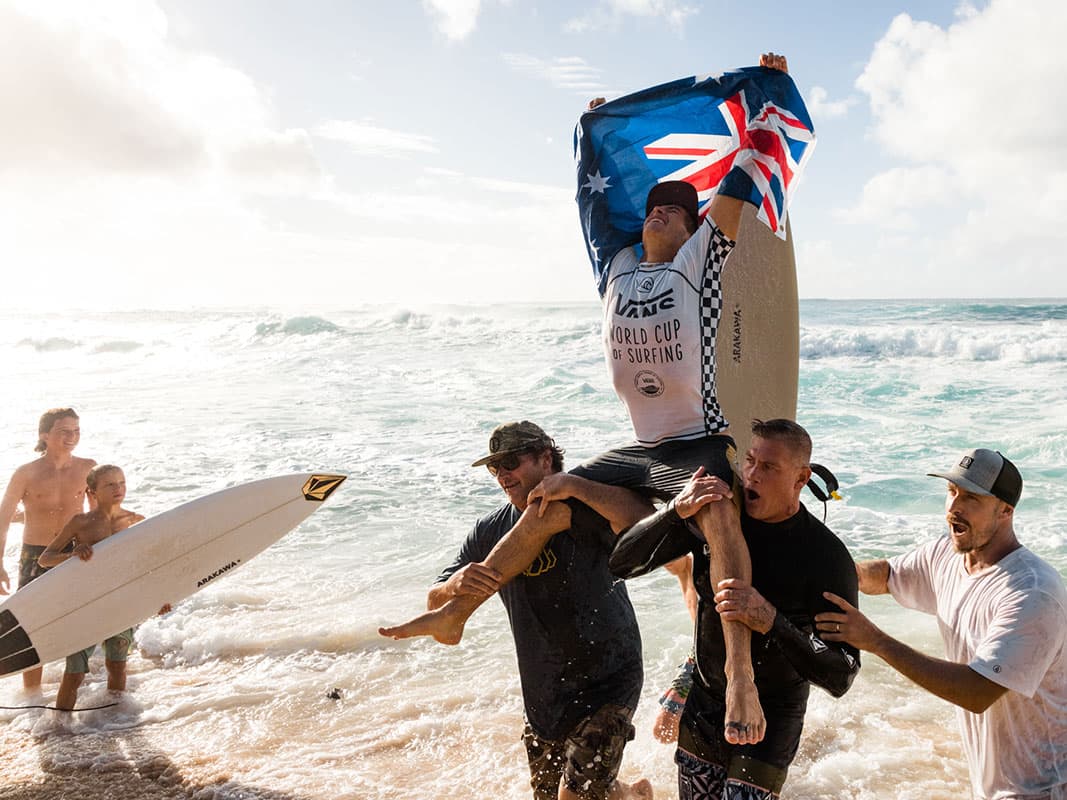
745 134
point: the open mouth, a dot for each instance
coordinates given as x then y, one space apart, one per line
957 527
751 495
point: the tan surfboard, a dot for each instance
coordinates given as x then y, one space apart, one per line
757 349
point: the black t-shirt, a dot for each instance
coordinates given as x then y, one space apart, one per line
793 563
575 632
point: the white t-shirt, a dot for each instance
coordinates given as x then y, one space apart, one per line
660 322
1009 624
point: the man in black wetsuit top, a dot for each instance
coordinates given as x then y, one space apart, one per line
795 558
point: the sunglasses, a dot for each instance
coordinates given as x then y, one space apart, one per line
509 462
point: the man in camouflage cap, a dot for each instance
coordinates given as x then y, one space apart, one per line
576 637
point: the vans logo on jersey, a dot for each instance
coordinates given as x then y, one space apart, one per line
648 383
634 309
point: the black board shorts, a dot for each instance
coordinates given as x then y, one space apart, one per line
662 470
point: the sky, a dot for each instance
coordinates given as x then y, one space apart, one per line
316 154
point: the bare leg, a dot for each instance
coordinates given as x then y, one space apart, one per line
512 554
721 526
31 678
116 675
68 690
638 790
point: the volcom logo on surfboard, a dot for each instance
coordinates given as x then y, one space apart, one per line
216 573
319 487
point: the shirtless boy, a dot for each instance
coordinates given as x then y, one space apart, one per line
106 484
51 490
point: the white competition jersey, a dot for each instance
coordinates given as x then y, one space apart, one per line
1009 624
659 337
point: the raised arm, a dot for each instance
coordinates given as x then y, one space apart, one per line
726 210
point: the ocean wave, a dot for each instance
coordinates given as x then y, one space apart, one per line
296 326
51 345
120 346
1046 344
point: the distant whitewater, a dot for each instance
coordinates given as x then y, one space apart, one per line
232 694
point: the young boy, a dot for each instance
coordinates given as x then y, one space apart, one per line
106 486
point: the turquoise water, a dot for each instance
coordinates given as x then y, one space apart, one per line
231 686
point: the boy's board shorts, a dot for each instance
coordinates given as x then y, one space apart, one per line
116 648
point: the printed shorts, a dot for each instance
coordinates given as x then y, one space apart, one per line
116 648
28 566
744 779
661 471
587 760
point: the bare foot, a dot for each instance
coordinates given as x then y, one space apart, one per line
745 723
442 626
638 790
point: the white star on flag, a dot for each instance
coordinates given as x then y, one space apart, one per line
594 249
596 183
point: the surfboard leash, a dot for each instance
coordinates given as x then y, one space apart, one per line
830 492
54 708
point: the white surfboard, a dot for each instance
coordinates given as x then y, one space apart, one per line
164 559
757 348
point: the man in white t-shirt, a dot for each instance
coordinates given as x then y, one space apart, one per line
1002 612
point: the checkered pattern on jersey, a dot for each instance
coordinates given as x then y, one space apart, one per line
710 312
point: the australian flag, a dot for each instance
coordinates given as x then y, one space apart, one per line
745 134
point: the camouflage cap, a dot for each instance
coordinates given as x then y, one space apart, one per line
514 437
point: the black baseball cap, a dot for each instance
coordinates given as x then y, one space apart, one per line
674 193
986 472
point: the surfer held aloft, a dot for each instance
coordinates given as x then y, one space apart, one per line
51 490
106 485
679 433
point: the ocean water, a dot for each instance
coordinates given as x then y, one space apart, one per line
229 693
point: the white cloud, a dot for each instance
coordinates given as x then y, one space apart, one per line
610 13
369 139
95 87
571 73
891 198
456 19
981 95
971 114
820 106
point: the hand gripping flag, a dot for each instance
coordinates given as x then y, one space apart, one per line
745 134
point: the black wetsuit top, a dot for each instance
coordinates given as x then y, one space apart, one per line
793 563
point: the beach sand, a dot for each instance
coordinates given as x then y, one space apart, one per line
118 764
